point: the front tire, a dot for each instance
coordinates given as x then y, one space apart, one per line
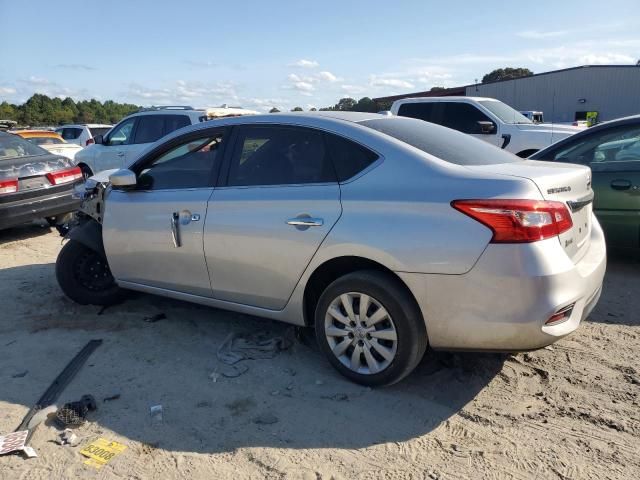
370 328
84 276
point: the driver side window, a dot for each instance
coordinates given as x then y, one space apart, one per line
188 165
122 134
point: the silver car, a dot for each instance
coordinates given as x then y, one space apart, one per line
386 234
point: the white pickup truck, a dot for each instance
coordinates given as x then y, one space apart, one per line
485 118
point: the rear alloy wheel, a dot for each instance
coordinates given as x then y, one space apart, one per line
84 276
361 333
370 328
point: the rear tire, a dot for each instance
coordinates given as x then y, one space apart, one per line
84 276
385 342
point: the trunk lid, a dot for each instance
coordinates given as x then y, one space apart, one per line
562 182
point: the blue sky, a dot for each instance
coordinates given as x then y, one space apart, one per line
260 54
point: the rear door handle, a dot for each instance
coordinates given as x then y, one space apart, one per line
305 222
620 184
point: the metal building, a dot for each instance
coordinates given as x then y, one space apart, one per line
566 95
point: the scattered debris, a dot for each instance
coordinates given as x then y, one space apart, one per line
68 437
10 343
41 416
13 442
214 376
115 396
102 309
101 452
75 413
204 404
290 371
232 371
265 419
20 375
319 382
254 346
59 384
155 318
156 413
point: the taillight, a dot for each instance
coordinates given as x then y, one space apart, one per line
518 221
64 176
89 142
9 185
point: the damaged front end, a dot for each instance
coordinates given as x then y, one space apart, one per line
91 211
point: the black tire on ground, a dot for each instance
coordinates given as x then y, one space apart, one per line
396 299
84 276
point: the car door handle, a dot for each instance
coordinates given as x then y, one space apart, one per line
175 229
621 184
305 222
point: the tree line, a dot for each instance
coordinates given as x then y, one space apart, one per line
43 110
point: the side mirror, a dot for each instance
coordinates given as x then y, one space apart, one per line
486 128
123 179
98 139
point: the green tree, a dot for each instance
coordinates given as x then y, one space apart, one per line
297 109
506 73
313 109
274 110
365 104
437 89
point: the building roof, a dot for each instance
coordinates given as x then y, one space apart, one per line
461 90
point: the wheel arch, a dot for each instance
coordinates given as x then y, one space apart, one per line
90 235
336 267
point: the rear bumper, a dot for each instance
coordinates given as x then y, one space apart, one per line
22 211
503 302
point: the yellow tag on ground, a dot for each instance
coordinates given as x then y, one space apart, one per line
101 452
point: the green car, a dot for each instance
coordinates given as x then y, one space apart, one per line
612 150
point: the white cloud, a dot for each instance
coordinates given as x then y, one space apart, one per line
327 76
33 80
7 90
303 63
538 35
75 66
352 89
376 81
304 88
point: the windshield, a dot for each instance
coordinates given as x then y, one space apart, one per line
444 143
45 140
504 112
12 146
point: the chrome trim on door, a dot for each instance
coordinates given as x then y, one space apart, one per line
305 222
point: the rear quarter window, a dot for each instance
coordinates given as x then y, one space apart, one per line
447 144
348 157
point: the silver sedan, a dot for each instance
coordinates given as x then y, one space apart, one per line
385 234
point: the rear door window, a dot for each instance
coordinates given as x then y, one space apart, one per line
421 110
462 117
348 157
150 128
69 133
175 122
275 155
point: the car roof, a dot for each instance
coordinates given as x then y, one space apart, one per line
88 125
445 99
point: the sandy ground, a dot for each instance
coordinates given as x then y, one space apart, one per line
570 411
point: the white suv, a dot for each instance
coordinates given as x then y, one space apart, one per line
82 134
487 119
122 144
